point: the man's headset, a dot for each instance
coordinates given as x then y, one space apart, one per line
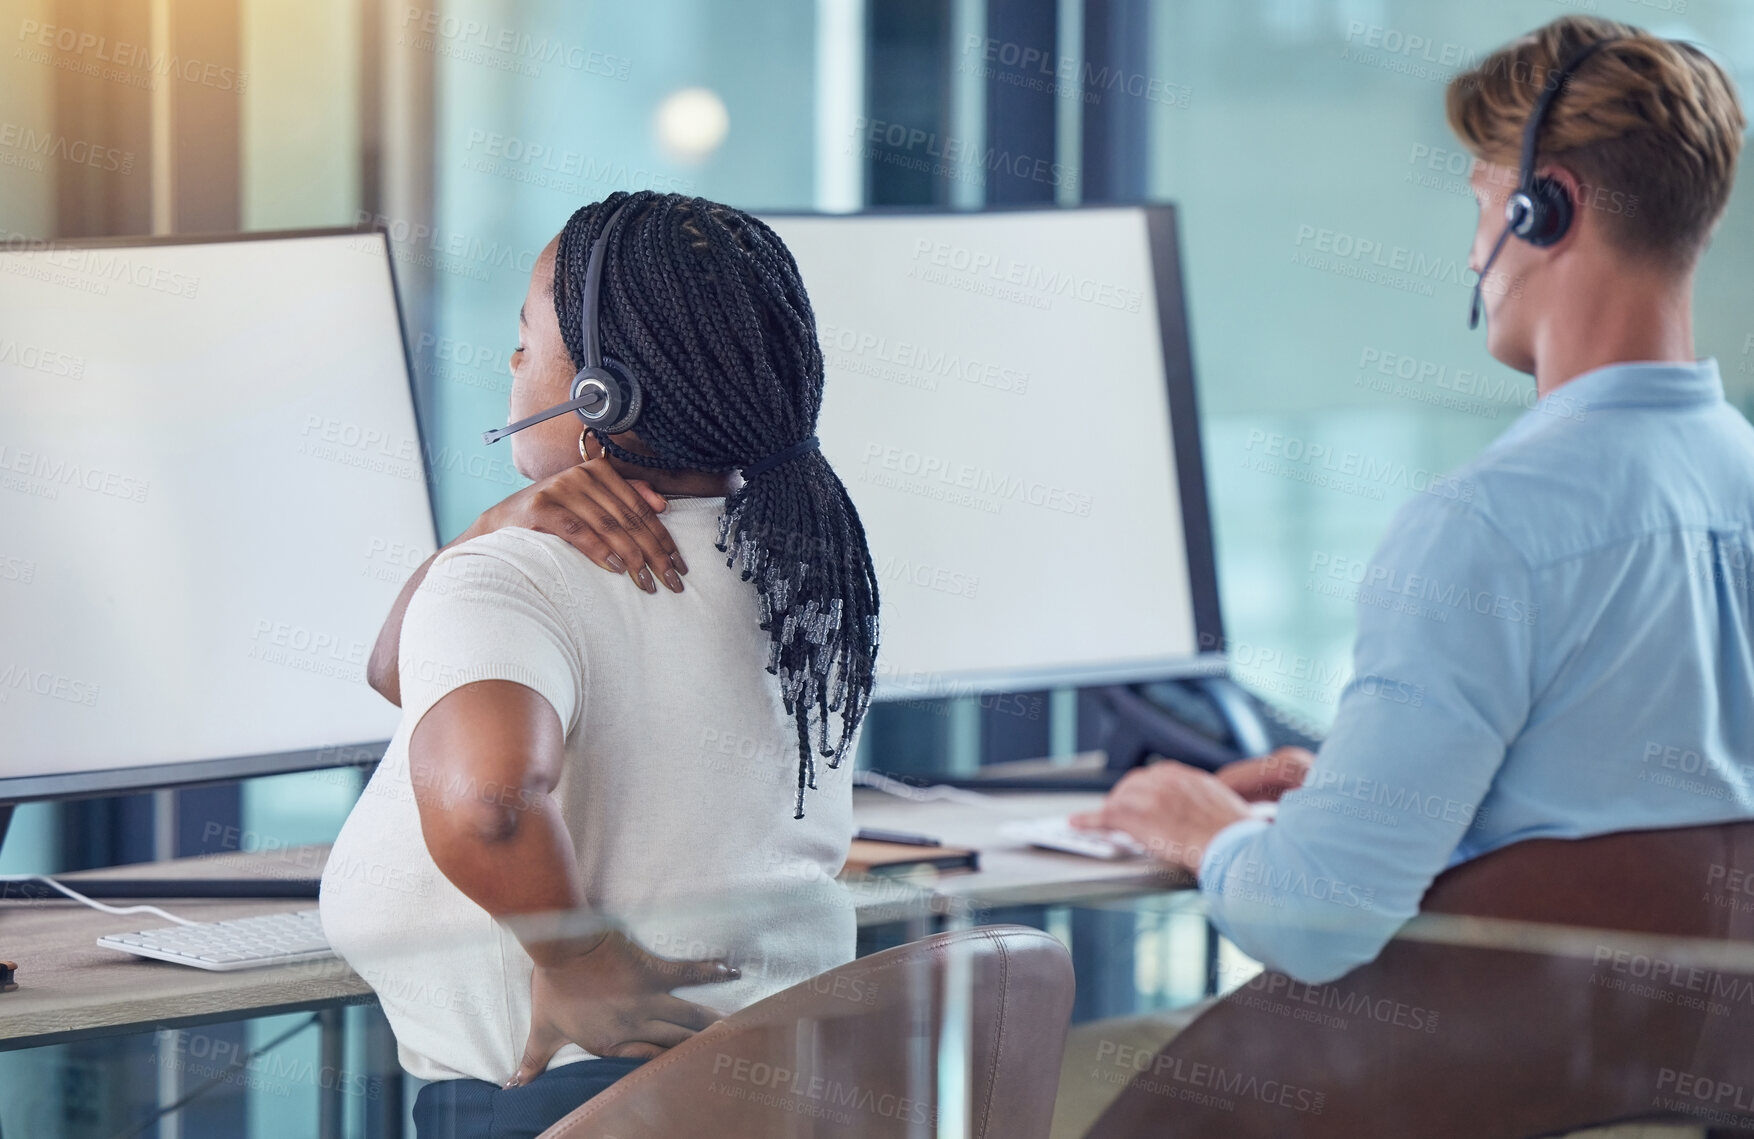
604 392
1540 211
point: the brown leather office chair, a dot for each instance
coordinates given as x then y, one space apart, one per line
1523 1044
854 1052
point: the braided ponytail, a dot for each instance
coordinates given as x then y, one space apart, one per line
704 304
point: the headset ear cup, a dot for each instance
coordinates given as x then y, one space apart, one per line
629 397
589 378
1552 212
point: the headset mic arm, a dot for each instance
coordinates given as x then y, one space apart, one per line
498 433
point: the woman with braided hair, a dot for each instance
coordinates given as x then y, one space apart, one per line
570 746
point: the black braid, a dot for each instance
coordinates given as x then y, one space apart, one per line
704 305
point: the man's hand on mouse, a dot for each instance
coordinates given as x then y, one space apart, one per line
1175 810
1266 777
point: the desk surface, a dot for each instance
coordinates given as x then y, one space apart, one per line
69 988
1011 874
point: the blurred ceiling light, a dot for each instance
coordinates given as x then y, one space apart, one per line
691 123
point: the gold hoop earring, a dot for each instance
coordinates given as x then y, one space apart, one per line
583 435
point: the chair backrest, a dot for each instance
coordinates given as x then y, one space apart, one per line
970 1024
1451 1041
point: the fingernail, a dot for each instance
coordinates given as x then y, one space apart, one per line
645 580
511 1083
673 579
676 560
616 564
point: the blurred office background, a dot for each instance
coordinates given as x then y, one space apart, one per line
1325 212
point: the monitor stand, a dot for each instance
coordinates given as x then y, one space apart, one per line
276 887
7 968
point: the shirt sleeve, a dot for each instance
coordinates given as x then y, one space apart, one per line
1439 689
480 616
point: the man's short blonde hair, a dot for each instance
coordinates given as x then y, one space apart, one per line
1652 127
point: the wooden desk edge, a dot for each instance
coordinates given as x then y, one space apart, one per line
121 1018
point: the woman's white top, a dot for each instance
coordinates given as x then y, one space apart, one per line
678 792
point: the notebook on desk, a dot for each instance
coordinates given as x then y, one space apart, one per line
867 857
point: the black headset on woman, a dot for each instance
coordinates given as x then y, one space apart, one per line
604 392
1540 212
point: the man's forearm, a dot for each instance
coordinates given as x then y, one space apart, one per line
1313 916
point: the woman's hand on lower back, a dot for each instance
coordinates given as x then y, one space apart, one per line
609 519
613 999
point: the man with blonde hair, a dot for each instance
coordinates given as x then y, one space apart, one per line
1564 647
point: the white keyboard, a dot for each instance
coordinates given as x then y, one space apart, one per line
243 943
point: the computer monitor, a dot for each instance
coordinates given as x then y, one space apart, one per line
1010 401
212 486
212 482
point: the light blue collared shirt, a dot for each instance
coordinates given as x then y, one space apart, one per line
1555 642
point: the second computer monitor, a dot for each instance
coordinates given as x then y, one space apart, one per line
212 487
1009 398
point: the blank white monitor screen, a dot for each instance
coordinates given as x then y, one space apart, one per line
998 406
211 489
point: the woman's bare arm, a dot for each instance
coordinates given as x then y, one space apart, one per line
380 669
482 762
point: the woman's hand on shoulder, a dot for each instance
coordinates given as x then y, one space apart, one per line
609 519
613 999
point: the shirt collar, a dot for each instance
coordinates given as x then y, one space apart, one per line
1642 384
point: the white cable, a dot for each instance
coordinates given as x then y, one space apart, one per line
96 905
902 790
